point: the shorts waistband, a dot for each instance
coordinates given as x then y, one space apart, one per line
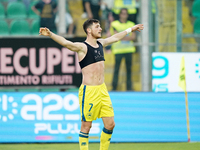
93 86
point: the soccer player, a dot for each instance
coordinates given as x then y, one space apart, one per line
93 95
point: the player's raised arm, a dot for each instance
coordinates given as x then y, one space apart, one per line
118 36
61 40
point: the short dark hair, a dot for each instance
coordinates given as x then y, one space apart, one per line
123 9
88 23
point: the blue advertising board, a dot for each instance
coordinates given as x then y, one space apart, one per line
139 117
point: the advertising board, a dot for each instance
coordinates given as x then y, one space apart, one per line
166 70
38 62
139 117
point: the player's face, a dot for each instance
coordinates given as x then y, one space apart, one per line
96 30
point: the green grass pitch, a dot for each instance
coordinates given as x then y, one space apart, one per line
95 146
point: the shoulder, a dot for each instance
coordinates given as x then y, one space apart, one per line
115 22
101 41
82 46
130 23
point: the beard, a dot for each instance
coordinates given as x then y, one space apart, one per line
95 35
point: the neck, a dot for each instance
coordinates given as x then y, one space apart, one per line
91 40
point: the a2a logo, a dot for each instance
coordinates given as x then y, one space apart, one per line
7 108
37 108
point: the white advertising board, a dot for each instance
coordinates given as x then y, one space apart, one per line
166 70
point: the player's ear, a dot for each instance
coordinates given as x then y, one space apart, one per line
88 30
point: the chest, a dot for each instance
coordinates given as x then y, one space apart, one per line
97 54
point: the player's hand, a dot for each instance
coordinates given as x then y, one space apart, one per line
138 27
45 31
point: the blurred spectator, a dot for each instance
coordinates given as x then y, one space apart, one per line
108 3
70 27
46 9
92 8
124 48
84 15
107 16
131 5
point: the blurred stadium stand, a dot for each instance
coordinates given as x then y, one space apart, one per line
17 20
188 28
195 8
19 27
197 26
76 10
196 14
2 11
16 10
35 25
4 29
